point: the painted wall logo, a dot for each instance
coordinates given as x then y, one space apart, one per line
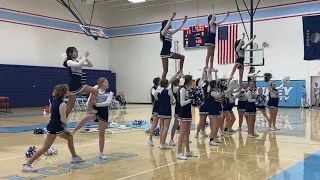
289 95
284 94
65 168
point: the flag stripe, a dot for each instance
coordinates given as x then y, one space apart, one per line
227 35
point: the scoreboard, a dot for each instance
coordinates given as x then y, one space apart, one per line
194 36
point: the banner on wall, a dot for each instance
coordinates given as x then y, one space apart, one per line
311 37
290 95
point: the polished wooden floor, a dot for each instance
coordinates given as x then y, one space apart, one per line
238 158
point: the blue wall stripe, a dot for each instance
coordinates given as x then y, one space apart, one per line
233 18
311 7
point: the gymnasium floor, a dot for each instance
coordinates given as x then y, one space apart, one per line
289 154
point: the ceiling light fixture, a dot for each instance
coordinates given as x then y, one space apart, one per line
137 1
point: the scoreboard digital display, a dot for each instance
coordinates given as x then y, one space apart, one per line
194 36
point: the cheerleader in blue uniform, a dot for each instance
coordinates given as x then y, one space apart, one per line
216 96
273 103
261 101
203 84
58 117
185 118
251 110
156 104
75 71
240 47
102 103
210 41
228 103
175 88
242 103
166 37
165 98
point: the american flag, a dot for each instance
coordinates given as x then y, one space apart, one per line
227 36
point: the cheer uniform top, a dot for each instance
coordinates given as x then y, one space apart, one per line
232 101
261 100
167 43
273 97
156 104
55 123
215 107
185 102
165 98
75 72
242 100
177 104
240 57
103 99
251 104
211 36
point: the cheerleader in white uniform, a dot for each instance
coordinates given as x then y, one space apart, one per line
251 110
273 103
242 103
204 108
210 41
156 105
240 47
252 75
261 101
166 34
165 98
185 118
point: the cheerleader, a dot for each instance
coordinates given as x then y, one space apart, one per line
228 103
211 37
273 104
242 103
156 104
58 117
166 37
252 75
316 94
215 110
203 84
261 101
102 103
175 88
75 71
165 98
251 110
240 47
185 118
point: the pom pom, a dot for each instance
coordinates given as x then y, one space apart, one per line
147 130
207 122
40 130
114 125
51 151
234 84
31 151
197 97
267 77
138 122
286 80
157 132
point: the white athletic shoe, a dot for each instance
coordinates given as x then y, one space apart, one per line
28 168
196 136
203 133
275 128
172 143
77 159
255 134
213 143
191 154
182 157
217 140
103 157
271 129
150 143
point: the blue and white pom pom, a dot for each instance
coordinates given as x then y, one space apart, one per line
40 130
114 125
286 80
138 122
157 132
197 97
51 151
29 153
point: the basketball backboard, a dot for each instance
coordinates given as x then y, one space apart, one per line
94 32
257 57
